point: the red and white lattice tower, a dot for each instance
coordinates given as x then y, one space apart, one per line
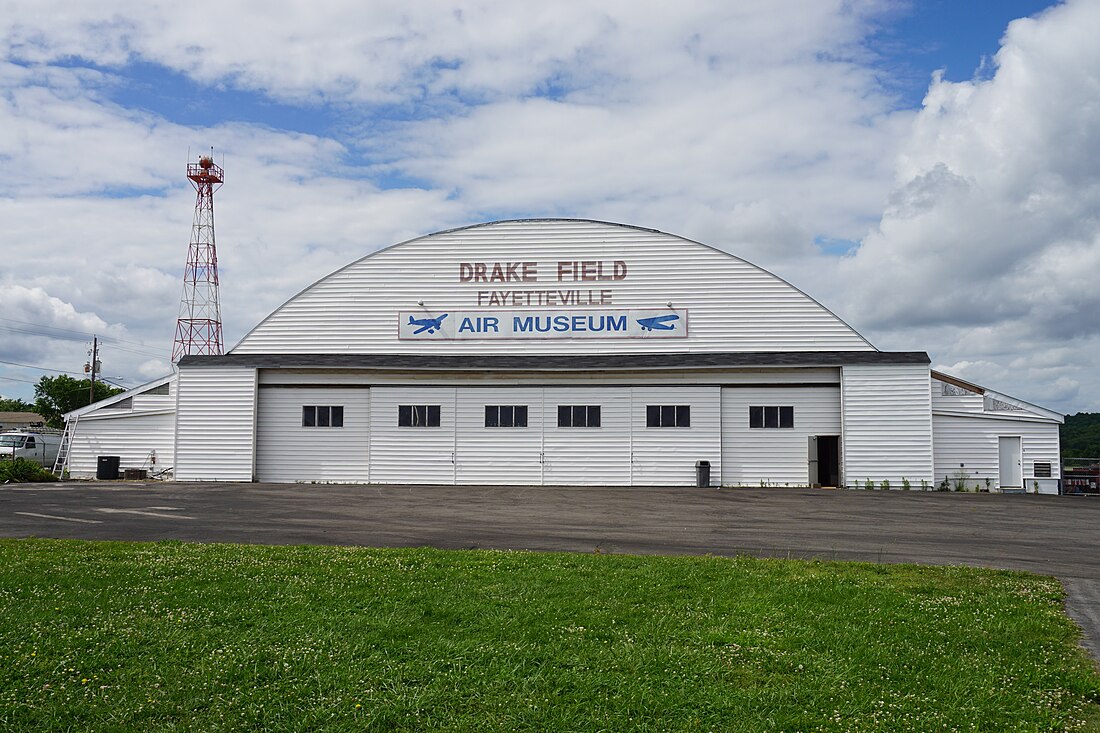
199 327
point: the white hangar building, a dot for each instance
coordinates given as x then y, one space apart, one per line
564 352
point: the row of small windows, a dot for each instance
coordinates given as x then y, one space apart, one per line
505 416
418 416
668 416
771 417
323 416
569 416
578 416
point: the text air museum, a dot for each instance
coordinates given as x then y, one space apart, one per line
565 352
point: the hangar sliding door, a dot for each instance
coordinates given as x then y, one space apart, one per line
765 431
312 433
412 433
586 437
499 438
672 428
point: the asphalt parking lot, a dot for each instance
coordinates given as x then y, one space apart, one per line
1053 535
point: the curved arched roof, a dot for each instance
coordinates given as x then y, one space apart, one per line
731 305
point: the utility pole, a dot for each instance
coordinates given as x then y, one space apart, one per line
94 363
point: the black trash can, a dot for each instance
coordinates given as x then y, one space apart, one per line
106 468
702 474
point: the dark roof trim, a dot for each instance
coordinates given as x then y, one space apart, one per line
558 362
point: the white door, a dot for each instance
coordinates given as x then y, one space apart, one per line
586 439
412 435
1012 476
672 429
499 438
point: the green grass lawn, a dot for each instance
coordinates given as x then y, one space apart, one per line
173 637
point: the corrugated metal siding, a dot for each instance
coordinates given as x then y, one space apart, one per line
286 451
667 456
215 424
969 444
588 456
887 414
733 305
775 456
411 455
132 437
499 455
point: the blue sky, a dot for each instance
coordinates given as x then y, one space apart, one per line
920 168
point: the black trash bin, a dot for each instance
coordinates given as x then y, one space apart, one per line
702 474
106 468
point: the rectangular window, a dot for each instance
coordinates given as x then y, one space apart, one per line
322 416
505 416
771 417
418 416
668 416
578 416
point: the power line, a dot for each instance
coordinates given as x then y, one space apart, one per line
15 379
69 330
41 368
67 334
80 338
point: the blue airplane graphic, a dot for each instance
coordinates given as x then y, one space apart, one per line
431 325
658 323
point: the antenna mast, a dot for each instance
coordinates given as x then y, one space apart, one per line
199 327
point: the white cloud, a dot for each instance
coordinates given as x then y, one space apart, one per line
755 126
989 245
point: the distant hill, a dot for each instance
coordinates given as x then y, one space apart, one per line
1081 435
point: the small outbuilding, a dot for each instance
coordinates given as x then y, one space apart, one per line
20 420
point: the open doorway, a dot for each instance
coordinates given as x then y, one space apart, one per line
824 460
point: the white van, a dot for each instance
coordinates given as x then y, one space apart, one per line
34 446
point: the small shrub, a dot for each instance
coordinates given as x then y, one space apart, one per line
23 471
905 485
886 484
869 485
988 484
924 484
959 479
944 485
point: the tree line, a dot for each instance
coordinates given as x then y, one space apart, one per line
1081 435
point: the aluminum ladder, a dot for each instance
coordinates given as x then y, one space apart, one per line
61 463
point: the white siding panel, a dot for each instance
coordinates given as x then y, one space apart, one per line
419 455
775 456
499 455
215 424
588 456
667 456
887 424
287 451
969 444
131 437
364 377
732 305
